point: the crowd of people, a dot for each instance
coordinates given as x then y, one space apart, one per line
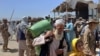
67 38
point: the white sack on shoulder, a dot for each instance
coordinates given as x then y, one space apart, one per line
38 41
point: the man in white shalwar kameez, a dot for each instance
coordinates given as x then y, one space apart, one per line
58 34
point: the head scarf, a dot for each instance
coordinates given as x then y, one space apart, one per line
25 20
75 52
24 24
74 42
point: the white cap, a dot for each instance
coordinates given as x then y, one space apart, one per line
59 21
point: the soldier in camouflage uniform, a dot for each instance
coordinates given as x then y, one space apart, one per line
29 39
5 34
29 44
89 42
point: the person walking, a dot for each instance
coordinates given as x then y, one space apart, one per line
70 32
5 34
55 44
21 28
78 26
29 39
88 38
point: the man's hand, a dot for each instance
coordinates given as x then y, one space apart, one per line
48 34
67 30
59 51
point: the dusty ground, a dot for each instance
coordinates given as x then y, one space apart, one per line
13 45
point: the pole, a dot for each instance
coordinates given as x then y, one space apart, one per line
54 15
12 14
11 18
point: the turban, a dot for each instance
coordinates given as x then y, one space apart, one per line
59 21
25 19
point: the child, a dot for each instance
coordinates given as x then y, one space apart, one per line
77 47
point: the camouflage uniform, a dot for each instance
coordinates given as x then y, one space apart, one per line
29 44
89 42
78 27
5 35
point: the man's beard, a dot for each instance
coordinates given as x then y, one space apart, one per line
57 35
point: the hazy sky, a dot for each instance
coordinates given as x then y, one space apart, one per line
32 8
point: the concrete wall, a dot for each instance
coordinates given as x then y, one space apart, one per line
92 10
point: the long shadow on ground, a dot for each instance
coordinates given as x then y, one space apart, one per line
13 50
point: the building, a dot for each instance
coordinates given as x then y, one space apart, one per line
83 8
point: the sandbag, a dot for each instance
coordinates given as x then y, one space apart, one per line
40 27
